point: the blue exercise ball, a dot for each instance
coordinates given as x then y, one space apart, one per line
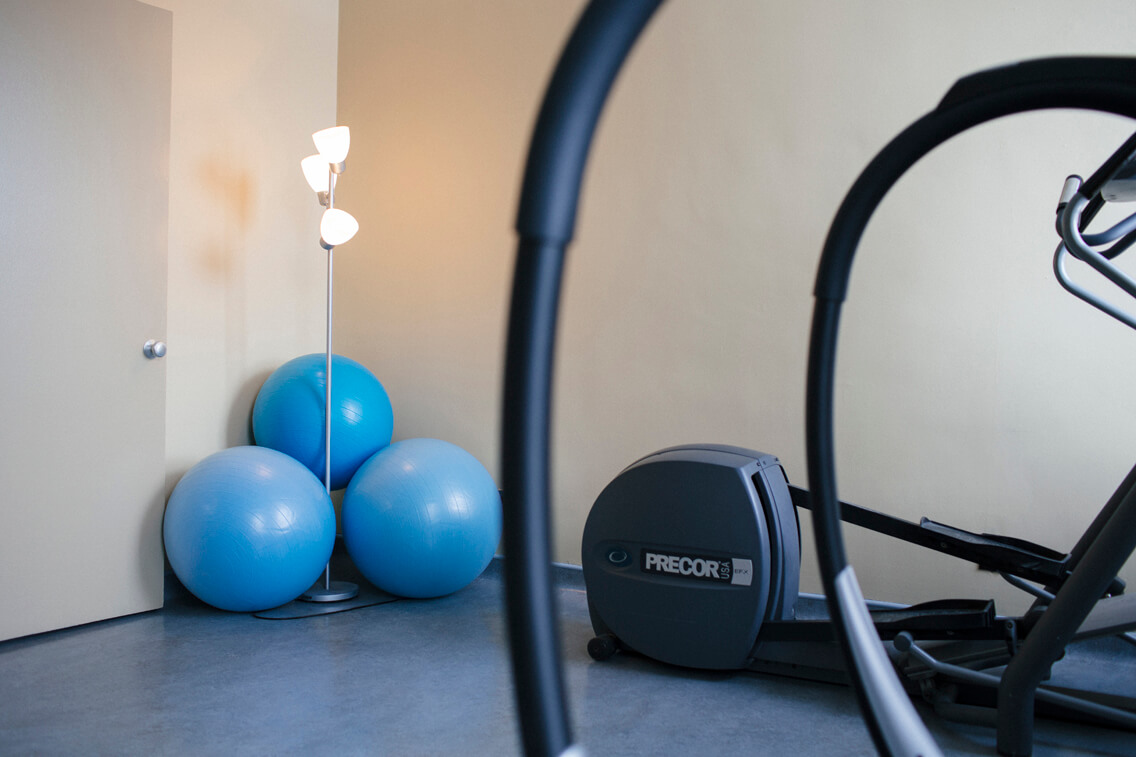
248 528
422 518
288 414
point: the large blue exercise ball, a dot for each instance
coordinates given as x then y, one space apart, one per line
422 518
248 528
288 414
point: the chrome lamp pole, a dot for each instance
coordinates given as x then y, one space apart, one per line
336 227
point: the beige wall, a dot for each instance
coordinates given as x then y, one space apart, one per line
440 97
252 79
971 389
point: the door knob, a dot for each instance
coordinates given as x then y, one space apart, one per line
154 348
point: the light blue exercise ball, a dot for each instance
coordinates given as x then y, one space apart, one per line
248 528
288 414
422 518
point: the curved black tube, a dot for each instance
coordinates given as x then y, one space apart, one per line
546 219
1103 84
572 104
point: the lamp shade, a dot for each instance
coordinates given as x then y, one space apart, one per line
315 171
337 226
333 143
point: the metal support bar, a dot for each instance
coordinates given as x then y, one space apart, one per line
1058 624
1098 712
331 591
1015 556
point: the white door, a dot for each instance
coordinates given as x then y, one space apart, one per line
84 159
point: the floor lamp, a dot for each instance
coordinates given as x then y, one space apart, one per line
336 227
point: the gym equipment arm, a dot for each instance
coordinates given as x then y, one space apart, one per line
545 221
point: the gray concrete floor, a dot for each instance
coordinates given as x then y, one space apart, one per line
408 678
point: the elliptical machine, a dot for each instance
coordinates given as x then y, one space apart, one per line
592 58
691 556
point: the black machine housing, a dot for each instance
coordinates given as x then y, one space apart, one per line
691 556
689 551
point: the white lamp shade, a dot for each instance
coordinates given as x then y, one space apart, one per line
333 143
315 171
337 226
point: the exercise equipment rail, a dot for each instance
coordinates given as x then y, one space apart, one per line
603 36
1100 84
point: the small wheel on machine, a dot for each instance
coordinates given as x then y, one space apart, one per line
602 647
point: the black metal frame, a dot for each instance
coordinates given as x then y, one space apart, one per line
1102 84
546 221
1002 554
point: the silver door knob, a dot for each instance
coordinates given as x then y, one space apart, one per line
154 348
